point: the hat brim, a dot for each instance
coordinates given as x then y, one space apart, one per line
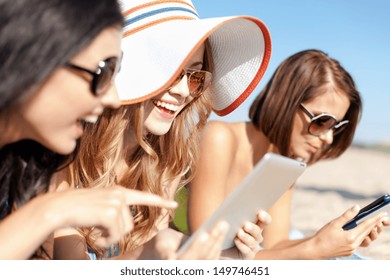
241 50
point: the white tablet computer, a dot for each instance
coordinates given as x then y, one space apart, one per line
270 178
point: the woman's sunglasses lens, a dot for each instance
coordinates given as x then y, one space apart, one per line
321 125
103 80
195 83
198 82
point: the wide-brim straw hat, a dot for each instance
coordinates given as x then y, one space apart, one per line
161 36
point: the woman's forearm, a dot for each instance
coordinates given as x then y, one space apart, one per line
300 249
22 232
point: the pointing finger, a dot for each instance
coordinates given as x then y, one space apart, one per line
134 197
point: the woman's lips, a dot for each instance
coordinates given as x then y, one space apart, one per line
313 149
166 109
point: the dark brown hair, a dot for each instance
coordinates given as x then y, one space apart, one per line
37 37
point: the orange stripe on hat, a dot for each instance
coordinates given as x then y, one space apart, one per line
150 24
151 13
150 4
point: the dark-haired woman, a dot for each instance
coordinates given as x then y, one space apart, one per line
57 62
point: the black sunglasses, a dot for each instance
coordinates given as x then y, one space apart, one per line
322 123
197 81
102 76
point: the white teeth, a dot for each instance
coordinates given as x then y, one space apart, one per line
165 105
91 119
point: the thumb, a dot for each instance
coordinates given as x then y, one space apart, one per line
263 218
134 197
349 214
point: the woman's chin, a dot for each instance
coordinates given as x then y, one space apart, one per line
159 131
63 148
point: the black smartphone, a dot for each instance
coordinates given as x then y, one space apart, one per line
365 212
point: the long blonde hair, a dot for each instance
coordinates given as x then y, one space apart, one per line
169 156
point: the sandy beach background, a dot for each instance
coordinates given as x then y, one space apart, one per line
328 188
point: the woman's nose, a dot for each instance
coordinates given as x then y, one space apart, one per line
327 137
181 88
111 98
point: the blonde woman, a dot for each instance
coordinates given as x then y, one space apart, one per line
192 66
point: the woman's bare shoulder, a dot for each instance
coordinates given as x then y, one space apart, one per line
220 132
220 140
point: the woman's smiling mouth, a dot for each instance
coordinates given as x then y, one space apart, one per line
166 109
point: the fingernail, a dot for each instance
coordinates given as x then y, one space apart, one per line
262 214
223 227
265 217
204 236
248 226
356 208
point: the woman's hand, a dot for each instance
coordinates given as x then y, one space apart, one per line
105 209
375 232
250 236
207 246
332 241
29 226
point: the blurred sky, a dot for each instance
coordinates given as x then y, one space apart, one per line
357 33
